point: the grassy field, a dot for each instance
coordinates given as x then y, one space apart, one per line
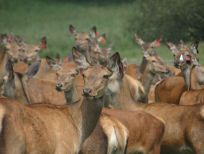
34 19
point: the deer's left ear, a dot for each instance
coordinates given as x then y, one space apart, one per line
50 61
102 39
72 29
194 47
115 64
43 44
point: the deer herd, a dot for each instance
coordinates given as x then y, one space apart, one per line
94 102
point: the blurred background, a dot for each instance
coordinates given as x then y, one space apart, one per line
173 20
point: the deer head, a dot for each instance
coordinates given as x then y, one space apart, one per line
65 79
83 39
29 53
183 55
95 81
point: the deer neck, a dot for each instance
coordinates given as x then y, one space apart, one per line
84 112
143 65
3 60
197 77
147 79
186 72
90 111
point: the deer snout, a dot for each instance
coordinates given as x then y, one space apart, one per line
87 91
58 86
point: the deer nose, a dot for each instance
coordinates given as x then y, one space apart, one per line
58 86
86 91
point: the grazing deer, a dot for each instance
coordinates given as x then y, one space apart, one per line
184 125
46 128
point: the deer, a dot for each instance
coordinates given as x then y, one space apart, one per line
48 128
168 90
89 45
32 87
190 68
182 120
138 141
10 47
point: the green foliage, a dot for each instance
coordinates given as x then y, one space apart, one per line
118 19
171 19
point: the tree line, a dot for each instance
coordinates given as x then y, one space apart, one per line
170 19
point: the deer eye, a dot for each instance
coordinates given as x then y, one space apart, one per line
106 76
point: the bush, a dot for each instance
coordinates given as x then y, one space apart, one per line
171 19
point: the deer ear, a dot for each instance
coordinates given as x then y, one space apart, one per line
115 64
102 39
50 61
125 64
43 43
79 59
172 48
58 58
72 29
93 33
194 47
138 40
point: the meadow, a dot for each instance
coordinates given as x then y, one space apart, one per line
34 19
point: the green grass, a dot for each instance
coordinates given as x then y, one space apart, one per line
34 19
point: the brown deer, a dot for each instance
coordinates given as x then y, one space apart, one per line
46 128
168 90
35 87
190 69
147 48
88 45
184 126
110 126
10 48
138 141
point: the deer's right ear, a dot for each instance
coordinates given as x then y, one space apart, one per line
138 40
72 29
172 48
43 44
79 59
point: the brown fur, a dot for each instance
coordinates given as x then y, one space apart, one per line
170 90
138 141
182 120
46 128
192 97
